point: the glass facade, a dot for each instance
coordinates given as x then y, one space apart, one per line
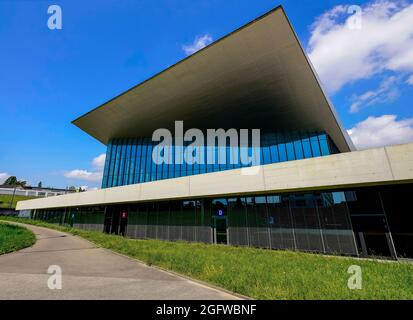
369 221
129 161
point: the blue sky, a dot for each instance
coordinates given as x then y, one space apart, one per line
50 77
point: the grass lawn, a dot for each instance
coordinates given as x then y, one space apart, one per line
13 238
263 274
5 200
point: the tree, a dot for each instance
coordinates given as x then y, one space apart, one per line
39 185
12 181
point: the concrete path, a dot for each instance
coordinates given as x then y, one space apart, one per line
89 272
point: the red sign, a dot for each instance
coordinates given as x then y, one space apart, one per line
123 215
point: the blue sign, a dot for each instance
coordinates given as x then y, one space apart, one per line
220 212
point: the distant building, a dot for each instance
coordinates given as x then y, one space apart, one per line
34 192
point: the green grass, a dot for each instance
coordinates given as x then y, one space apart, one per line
264 274
5 200
13 238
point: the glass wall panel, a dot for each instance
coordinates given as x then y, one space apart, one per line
133 222
130 161
142 220
282 152
122 164
163 221
237 221
175 220
188 220
290 150
142 173
315 146
337 231
152 221
306 223
307 148
203 222
280 222
257 220
396 202
149 176
138 162
325 150
364 202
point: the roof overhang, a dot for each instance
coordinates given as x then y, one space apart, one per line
256 77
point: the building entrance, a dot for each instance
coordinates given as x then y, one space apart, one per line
116 220
220 230
370 224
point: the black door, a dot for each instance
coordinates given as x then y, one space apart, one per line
220 230
372 235
116 220
370 223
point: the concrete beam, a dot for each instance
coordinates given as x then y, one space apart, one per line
387 165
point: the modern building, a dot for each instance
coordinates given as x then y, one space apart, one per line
312 191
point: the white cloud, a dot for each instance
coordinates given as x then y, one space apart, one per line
95 175
381 131
99 161
410 80
84 175
199 43
3 177
384 42
386 92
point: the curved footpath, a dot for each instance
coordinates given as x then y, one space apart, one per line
89 272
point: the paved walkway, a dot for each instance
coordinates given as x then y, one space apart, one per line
89 273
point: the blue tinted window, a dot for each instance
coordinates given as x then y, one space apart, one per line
148 170
113 160
171 157
266 155
290 151
307 148
138 162
165 169
298 148
315 146
116 168
130 160
142 172
324 145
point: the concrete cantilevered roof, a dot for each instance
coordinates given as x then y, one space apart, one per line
256 77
